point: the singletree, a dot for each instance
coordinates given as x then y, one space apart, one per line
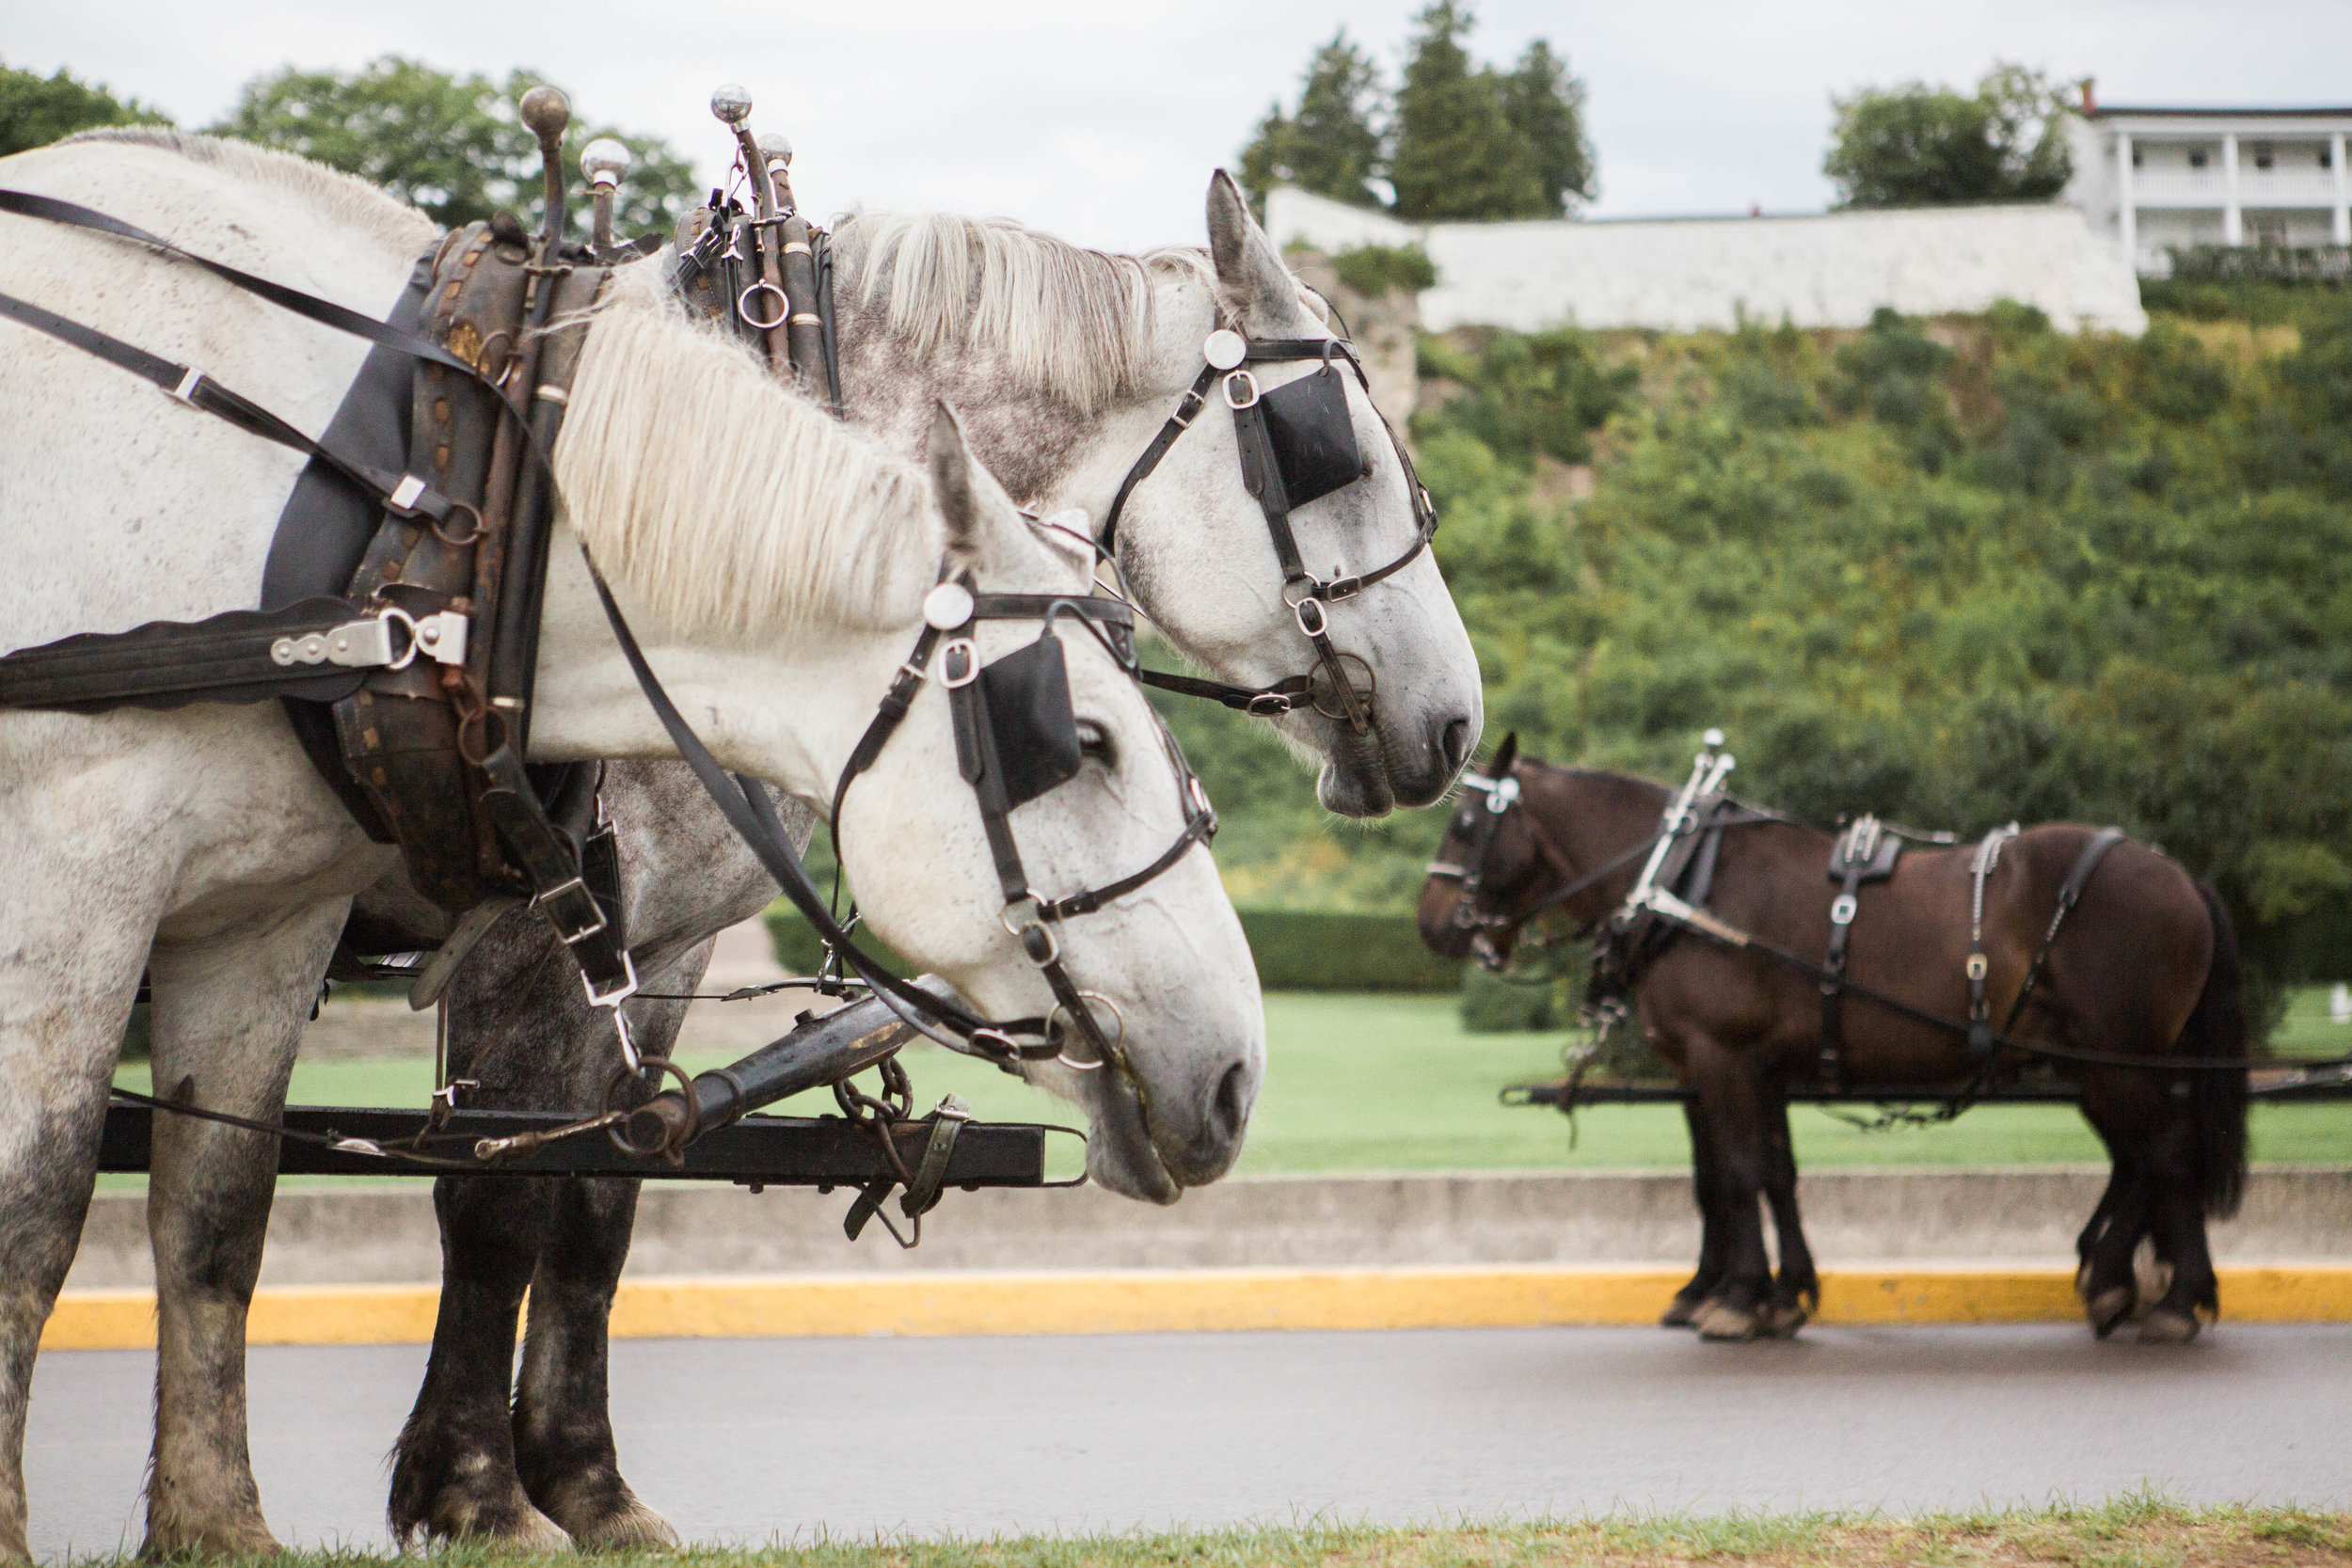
36 110
1919 145
452 146
1331 146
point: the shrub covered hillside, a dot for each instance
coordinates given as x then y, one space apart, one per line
1954 572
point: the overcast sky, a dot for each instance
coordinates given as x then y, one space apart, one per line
1102 122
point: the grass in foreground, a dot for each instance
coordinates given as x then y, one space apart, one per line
2130 1533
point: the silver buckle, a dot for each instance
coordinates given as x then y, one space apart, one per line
573 939
1320 622
1238 404
948 651
1020 932
1841 911
1502 794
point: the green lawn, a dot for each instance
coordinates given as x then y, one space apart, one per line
1392 1083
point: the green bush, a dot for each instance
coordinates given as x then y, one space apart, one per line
1295 949
1492 1005
1344 950
1373 270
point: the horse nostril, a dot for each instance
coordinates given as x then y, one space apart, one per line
1228 1107
1456 743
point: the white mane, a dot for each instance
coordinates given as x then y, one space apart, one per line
734 507
345 199
1072 322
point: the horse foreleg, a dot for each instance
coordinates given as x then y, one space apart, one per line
564 1446
1730 1101
69 967
1713 1233
1797 1293
229 1014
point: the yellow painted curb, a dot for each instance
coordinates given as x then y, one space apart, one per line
1150 1301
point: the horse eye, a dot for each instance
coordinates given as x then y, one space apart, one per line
1095 743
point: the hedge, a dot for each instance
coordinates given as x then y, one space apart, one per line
1295 949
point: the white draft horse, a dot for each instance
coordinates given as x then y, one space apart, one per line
773 567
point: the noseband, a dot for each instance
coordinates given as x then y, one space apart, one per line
1297 445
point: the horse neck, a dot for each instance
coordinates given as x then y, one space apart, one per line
1047 453
1589 818
586 702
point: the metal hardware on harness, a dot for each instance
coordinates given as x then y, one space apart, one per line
1980 1036
1058 1008
1235 401
368 645
744 305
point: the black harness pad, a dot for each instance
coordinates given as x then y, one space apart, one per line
1313 437
1877 847
1031 721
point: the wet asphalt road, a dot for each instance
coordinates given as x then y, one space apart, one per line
745 1440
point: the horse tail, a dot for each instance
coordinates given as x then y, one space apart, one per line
2216 1027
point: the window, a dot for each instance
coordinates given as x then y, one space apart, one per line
2326 156
2196 157
2262 155
2139 157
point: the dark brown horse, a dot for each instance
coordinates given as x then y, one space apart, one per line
2144 965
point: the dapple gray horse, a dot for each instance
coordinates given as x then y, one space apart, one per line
1069 361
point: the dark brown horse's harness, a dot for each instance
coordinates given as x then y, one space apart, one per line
426 662
1667 899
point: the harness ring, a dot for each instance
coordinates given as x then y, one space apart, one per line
743 307
1117 1040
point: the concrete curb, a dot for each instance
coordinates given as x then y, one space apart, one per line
2000 1217
1154 1301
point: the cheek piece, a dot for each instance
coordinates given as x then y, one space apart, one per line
1017 739
1297 445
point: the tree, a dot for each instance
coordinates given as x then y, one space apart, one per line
1546 108
1459 154
452 146
36 110
1919 145
1331 146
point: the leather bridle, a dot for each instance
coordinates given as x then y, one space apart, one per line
1228 354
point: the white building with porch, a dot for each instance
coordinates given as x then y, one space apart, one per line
2157 179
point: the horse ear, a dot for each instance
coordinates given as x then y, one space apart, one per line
1506 754
974 507
1250 270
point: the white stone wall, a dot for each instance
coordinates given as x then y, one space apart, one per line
1688 274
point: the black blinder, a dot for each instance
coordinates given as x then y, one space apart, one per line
1029 718
1308 425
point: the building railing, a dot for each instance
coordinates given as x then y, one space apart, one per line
2205 187
2271 263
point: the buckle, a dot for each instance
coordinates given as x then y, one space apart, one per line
1977 966
566 889
1038 941
1502 794
1841 911
1235 400
1343 587
1314 625
959 662
618 994
1270 704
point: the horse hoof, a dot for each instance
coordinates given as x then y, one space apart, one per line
1721 1322
2164 1326
2108 1308
1683 1313
630 1528
1783 1319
